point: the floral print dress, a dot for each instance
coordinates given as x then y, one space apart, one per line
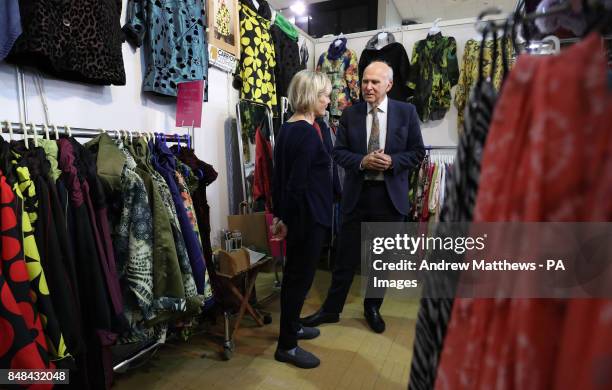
254 75
343 72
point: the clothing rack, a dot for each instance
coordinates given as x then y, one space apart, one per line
122 366
440 147
40 131
32 130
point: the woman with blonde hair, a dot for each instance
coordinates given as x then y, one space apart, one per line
302 193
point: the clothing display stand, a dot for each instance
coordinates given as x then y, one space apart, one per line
32 132
37 131
246 206
244 103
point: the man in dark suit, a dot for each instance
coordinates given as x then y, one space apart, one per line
378 144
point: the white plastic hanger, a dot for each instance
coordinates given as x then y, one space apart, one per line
338 40
46 131
435 28
8 126
34 133
55 132
383 39
68 130
24 129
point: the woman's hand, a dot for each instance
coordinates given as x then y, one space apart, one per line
279 230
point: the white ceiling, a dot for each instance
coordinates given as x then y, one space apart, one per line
428 10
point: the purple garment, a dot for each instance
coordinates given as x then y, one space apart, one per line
91 272
99 223
10 26
164 162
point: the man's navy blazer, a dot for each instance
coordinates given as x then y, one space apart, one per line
403 143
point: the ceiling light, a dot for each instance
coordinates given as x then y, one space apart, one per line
299 8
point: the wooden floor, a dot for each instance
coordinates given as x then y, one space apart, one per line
352 356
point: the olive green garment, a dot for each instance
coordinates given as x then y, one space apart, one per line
433 73
51 153
194 301
109 162
167 278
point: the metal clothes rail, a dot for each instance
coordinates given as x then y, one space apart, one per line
43 131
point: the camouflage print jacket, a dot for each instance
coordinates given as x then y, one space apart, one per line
434 72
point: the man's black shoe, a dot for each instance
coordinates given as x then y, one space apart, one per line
320 317
308 333
374 319
300 358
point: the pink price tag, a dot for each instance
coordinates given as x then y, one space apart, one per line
189 103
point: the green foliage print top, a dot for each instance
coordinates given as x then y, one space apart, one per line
433 73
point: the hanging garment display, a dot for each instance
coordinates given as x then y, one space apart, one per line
72 40
339 63
10 26
520 182
262 180
457 206
287 58
168 287
206 175
32 173
165 163
93 293
254 76
434 71
176 47
469 72
304 55
91 203
393 54
23 343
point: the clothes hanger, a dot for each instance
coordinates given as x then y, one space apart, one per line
35 134
485 32
338 40
24 130
504 48
55 132
8 126
46 132
67 130
435 29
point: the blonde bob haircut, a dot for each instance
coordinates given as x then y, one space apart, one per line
305 88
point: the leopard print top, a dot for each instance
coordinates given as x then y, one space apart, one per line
74 40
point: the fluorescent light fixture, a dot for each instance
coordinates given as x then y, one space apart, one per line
298 8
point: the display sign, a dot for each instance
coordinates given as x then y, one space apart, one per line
221 59
189 103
